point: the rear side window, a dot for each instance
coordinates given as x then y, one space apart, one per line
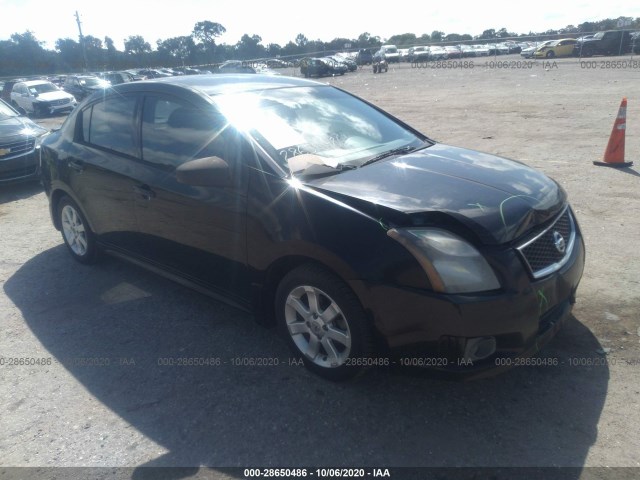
110 124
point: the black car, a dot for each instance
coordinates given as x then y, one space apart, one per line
364 57
611 42
19 146
81 86
116 78
358 236
321 67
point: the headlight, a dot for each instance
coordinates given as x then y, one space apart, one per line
452 264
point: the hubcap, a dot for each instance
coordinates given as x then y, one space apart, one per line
74 231
317 326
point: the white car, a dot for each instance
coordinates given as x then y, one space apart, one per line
391 53
437 53
41 97
480 50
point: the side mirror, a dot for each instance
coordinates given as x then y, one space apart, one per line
205 172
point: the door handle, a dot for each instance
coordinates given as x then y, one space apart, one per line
144 191
76 165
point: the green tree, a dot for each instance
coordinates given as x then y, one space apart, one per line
403 40
206 33
249 47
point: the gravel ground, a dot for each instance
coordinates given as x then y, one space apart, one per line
100 396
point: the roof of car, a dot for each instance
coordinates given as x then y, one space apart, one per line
216 84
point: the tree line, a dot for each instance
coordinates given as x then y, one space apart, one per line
24 54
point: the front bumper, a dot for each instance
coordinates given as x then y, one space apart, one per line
435 328
22 168
52 108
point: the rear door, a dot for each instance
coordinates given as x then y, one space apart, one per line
196 232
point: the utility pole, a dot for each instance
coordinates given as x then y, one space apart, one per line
84 52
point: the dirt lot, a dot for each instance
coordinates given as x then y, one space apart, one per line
585 412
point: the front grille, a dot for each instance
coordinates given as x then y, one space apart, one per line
542 254
16 147
55 103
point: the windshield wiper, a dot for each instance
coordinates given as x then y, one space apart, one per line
390 153
319 170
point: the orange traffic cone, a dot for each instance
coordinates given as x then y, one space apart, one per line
614 154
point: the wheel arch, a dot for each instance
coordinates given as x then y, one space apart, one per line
265 290
56 195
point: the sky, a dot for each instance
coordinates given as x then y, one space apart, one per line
279 21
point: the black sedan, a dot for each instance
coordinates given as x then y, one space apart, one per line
19 146
362 239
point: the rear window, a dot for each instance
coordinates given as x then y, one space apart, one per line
110 124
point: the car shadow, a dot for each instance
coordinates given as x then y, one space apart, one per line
19 191
228 415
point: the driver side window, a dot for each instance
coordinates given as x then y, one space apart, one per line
175 132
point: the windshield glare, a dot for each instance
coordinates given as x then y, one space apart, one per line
43 88
305 126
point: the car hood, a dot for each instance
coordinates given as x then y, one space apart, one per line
50 96
497 198
15 126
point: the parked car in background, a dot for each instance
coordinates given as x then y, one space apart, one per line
347 62
557 48
278 63
7 87
41 97
480 50
153 73
611 42
497 49
391 53
81 86
453 51
437 53
19 145
235 66
380 63
364 57
116 78
418 54
321 67
513 47
529 51
352 232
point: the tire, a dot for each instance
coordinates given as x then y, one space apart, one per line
77 235
550 54
323 322
375 69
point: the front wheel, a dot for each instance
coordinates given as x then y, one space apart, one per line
550 54
77 235
323 321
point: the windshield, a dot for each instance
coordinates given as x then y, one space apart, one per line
6 111
305 126
599 35
43 88
92 82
